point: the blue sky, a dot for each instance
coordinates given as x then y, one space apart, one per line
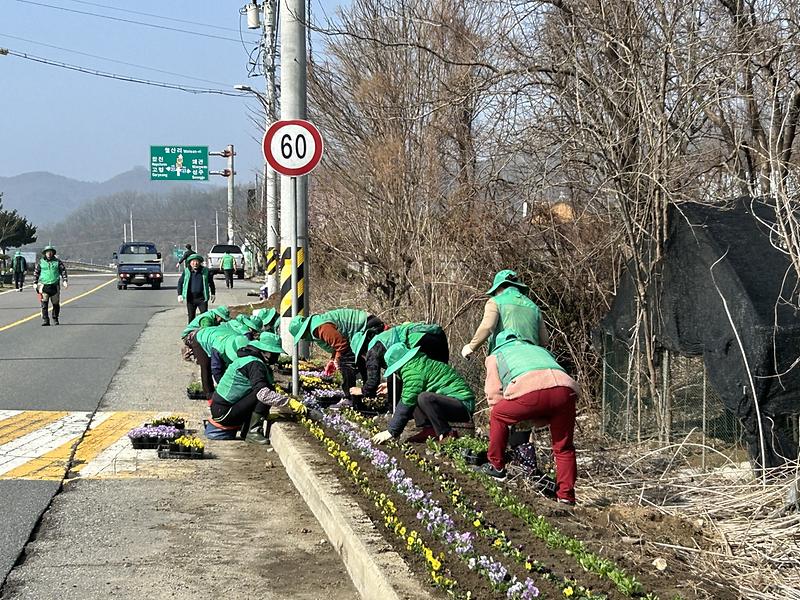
91 128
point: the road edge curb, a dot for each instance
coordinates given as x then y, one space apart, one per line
376 570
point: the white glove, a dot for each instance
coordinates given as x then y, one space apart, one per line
466 351
213 299
180 299
380 438
66 284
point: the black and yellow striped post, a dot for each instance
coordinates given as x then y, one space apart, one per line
272 261
286 282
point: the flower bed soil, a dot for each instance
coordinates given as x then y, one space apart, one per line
594 527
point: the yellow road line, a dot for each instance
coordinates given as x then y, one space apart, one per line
51 466
26 422
39 314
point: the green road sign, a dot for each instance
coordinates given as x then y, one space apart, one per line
179 163
178 253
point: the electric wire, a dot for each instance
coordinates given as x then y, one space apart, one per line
155 16
121 20
120 62
116 76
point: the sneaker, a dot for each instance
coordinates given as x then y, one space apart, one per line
55 320
488 469
422 436
566 501
45 323
343 403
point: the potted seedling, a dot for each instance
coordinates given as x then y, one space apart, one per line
195 391
173 420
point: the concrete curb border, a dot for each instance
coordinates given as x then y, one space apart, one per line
376 570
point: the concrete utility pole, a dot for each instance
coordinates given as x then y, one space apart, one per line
132 238
216 223
293 106
270 26
230 155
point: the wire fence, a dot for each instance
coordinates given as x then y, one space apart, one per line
668 404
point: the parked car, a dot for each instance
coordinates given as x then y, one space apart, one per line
215 256
138 263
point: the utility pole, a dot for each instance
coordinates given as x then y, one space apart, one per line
196 248
125 233
293 106
216 223
270 47
230 155
132 238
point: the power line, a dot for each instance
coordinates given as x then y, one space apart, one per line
121 62
144 14
121 20
107 75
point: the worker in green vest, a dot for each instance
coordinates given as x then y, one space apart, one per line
228 266
431 387
270 318
332 331
48 277
211 318
525 383
246 392
19 266
371 349
196 286
508 308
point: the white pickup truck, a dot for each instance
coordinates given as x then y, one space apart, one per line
214 258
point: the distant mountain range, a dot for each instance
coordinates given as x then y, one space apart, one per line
45 198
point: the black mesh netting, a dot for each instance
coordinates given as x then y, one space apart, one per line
758 285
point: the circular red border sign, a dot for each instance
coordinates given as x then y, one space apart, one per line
266 145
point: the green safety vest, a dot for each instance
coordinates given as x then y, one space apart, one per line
48 274
408 333
517 358
234 385
227 261
187 273
348 321
517 313
213 338
17 263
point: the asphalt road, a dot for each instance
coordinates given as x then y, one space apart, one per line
65 368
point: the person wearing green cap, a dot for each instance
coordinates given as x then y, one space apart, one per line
19 266
434 388
246 392
270 318
332 331
370 348
48 277
223 348
196 286
524 382
211 318
508 308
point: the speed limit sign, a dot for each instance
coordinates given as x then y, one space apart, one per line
292 147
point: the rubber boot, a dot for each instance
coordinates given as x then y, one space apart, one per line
257 432
45 315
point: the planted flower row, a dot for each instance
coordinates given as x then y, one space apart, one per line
430 513
409 537
469 511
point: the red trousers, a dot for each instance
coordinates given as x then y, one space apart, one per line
556 407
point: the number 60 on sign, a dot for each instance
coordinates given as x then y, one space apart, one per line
292 147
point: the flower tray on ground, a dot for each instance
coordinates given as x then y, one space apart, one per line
147 443
192 395
175 451
372 406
